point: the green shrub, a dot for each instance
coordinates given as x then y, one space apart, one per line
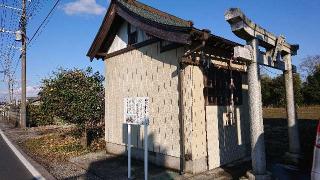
37 117
74 95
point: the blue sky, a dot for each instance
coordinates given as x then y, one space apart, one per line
68 35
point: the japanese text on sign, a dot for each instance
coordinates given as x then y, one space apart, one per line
136 110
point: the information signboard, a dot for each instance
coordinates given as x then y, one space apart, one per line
136 110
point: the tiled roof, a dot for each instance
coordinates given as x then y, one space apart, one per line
155 22
153 14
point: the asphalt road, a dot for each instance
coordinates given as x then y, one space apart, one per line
11 167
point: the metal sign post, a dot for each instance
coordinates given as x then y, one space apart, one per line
146 149
136 112
129 151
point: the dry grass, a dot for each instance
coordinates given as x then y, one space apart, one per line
59 146
311 112
55 147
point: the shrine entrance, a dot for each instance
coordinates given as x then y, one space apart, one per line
277 55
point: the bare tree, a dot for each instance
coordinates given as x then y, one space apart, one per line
309 65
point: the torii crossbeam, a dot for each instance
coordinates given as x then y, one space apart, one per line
277 55
275 46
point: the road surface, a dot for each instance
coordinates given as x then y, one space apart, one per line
10 166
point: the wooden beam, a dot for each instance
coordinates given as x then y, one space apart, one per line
155 29
215 63
127 49
104 29
190 61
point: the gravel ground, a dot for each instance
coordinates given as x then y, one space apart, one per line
100 165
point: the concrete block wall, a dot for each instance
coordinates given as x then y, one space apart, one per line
194 118
147 72
139 73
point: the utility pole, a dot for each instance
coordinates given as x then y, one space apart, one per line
9 90
20 36
23 66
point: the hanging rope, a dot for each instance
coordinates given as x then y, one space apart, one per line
231 120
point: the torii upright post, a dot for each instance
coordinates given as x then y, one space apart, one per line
255 115
276 48
293 131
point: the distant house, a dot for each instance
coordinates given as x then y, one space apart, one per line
199 119
33 100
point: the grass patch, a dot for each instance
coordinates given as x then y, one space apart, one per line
60 146
55 147
277 140
311 112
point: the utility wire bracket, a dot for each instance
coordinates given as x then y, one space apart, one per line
7 31
10 7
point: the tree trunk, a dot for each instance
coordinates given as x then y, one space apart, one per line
84 139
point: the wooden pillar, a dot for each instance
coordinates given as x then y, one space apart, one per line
181 118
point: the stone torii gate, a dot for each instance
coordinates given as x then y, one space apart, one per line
277 55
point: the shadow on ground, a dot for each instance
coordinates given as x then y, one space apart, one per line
106 166
116 168
277 144
276 137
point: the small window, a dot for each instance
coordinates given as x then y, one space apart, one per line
149 36
132 35
167 45
217 87
133 38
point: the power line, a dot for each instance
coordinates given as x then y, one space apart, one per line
16 66
43 22
7 20
8 13
34 8
270 71
10 10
